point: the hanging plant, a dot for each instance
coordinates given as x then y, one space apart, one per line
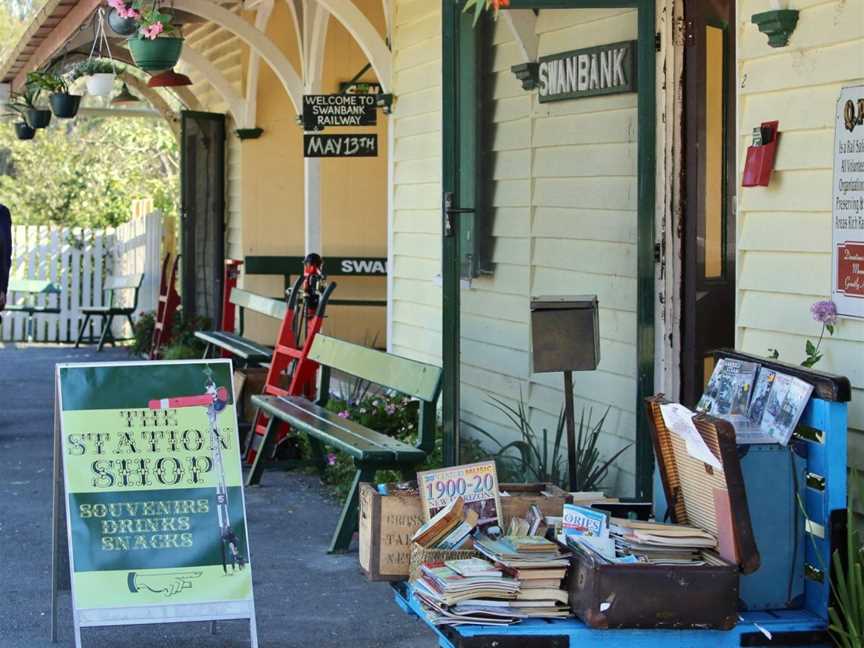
479 6
23 131
18 106
27 105
123 18
157 45
99 74
63 104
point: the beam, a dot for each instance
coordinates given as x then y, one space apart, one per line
152 96
367 37
257 41
314 42
250 112
58 37
214 77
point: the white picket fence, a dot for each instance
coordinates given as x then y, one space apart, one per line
79 260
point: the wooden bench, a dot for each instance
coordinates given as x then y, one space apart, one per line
31 288
113 286
371 450
250 352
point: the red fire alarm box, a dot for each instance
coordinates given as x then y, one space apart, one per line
760 156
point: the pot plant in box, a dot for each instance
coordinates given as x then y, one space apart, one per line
99 74
63 104
157 45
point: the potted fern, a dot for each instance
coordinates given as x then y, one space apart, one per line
156 46
99 75
63 104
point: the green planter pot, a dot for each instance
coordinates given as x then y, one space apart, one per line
23 131
65 106
155 55
38 118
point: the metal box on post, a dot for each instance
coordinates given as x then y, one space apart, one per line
565 333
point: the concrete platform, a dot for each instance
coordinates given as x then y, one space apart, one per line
304 598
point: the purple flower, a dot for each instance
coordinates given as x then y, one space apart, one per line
824 312
343 414
331 459
390 408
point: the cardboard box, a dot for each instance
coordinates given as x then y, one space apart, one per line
248 382
387 523
523 496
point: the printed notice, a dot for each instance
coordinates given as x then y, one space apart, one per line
848 204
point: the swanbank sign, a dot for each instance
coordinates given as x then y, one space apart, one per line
602 70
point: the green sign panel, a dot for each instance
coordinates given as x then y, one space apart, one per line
154 505
589 72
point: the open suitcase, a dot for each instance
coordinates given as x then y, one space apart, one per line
608 595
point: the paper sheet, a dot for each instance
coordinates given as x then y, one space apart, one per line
679 421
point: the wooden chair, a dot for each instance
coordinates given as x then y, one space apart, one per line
113 286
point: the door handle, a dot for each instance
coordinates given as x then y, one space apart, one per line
450 212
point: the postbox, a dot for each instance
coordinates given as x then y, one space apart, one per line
565 333
760 156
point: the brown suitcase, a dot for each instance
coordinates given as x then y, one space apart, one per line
607 595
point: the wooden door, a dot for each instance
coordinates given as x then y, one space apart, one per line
708 310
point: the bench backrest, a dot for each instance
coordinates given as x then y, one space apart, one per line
258 303
408 377
116 284
35 286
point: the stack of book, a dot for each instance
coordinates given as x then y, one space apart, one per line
538 565
450 528
469 591
662 544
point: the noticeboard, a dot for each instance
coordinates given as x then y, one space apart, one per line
151 489
847 205
324 111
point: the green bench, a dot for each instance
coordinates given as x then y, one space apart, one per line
371 450
113 286
250 352
31 288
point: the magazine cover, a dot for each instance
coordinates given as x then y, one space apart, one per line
761 391
476 483
729 389
786 403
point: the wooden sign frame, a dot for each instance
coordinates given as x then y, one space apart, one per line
63 550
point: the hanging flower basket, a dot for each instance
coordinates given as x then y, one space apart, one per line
120 25
64 105
38 118
23 131
157 54
100 84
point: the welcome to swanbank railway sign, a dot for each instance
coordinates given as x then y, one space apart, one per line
589 72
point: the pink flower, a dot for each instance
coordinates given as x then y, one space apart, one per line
331 459
343 414
390 408
824 312
123 10
152 32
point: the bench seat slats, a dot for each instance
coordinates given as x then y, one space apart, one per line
258 303
332 430
22 308
105 310
239 346
407 376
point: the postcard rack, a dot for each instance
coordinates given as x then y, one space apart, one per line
818 458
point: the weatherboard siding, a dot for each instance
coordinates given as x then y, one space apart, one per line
784 230
416 217
564 206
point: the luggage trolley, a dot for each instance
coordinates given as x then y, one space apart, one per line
785 602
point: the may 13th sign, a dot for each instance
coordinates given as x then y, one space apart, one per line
847 208
155 509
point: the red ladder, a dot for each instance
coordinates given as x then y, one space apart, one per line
303 321
169 301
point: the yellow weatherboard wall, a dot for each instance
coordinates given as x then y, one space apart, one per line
784 230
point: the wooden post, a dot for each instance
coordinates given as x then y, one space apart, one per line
570 419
